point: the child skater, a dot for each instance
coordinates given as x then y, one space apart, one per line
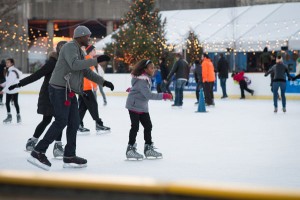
137 104
240 78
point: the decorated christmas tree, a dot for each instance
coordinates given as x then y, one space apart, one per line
194 48
140 36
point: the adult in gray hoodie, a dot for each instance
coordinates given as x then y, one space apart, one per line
66 80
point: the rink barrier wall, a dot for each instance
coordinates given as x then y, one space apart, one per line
48 185
259 83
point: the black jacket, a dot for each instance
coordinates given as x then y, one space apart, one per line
164 71
181 69
44 105
223 68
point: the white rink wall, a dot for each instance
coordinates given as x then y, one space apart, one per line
259 83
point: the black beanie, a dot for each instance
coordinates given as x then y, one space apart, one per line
89 49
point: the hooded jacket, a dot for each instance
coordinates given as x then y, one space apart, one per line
71 63
140 94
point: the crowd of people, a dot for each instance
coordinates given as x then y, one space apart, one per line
70 70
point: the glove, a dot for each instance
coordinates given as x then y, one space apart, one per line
187 83
109 85
167 96
128 89
13 86
266 75
290 79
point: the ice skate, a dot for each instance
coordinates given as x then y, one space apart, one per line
150 152
102 129
284 110
40 160
275 110
31 142
83 129
74 162
8 119
58 150
1 103
132 154
19 118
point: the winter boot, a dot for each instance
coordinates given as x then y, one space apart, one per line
8 119
39 159
150 152
19 118
74 162
31 142
58 150
82 129
131 152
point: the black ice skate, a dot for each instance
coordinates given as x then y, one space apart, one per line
74 162
102 129
132 154
83 129
8 119
150 152
58 150
40 160
31 144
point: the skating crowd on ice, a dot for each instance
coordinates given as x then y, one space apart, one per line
70 70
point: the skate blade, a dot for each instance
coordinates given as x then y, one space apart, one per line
134 159
6 122
153 158
28 151
58 157
99 132
73 165
37 163
83 133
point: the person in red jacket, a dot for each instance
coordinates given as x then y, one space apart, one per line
239 77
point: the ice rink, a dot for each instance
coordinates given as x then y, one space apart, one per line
239 142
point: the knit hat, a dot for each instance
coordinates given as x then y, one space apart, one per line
89 49
81 31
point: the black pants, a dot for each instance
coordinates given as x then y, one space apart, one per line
208 92
135 121
88 102
244 86
42 126
13 97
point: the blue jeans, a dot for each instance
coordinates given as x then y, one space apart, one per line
276 86
179 85
64 116
223 86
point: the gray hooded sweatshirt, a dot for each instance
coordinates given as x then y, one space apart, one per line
71 63
140 94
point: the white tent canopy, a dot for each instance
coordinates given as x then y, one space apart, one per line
245 29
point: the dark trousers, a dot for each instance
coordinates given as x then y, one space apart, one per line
42 126
208 92
244 86
223 86
88 102
199 86
64 116
13 97
135 121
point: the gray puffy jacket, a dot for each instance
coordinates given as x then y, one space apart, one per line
140 94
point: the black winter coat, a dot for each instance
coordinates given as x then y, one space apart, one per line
223 68
44 104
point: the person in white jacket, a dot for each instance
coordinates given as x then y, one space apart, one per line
12 77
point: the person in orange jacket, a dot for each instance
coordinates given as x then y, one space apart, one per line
88 100
208 78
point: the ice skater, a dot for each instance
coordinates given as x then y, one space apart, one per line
137 105
280 71
240 78
12 77
65 81
45 107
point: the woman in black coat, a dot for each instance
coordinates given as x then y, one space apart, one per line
44 105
